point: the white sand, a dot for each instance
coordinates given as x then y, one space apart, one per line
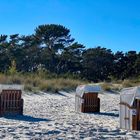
49 116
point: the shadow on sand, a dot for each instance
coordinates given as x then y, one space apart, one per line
112 92
106 114
26 118
62 94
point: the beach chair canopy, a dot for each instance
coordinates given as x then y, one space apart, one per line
11 87
128 95
83 89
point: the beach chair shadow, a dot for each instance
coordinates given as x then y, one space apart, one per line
26 118
106 114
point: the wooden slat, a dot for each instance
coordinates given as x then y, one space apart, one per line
14 99
91 103
10 101
134 122
4 100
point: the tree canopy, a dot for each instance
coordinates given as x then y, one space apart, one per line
52 47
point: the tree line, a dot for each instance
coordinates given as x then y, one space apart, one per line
52 48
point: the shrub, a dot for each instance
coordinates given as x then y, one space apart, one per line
12 69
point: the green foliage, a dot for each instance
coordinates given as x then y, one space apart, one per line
52 53
53 36
97 64
12 69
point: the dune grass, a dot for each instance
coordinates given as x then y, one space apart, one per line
43 82
120 84
35 82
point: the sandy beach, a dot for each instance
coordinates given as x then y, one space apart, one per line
52 117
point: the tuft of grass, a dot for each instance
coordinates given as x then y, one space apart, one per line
111 86
3 79
127 83
106 86
28 88
130 83
15 79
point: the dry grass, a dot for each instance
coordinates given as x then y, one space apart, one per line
111 86
130 83
35 82
117 86
58 84
106 86
32 82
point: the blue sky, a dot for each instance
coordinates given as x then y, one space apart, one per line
114 24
